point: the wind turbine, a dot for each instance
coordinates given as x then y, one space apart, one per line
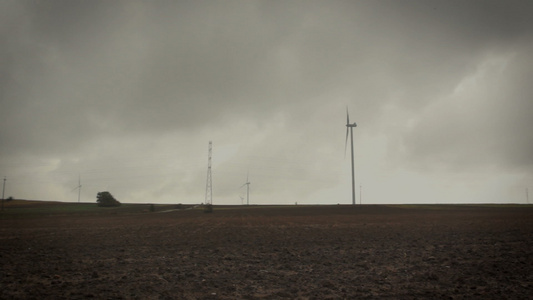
349 127
78 188
247 184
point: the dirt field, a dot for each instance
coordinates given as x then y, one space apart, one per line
321 252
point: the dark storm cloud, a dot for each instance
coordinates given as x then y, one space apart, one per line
140 66
449 43
429 46
150 67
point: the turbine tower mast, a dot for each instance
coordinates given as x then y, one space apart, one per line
79 188
247 184
209 183
349 127
247 193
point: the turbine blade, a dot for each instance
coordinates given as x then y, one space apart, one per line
347 128
347 116
346 142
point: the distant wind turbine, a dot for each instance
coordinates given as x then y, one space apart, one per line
78 188
247 184
349 127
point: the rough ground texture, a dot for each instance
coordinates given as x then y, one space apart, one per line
323 252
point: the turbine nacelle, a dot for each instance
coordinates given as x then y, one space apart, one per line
348 126
247 183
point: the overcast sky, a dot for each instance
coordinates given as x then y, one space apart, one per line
128 94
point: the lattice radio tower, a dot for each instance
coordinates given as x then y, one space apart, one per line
209 183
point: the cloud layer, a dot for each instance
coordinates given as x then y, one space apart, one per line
129 93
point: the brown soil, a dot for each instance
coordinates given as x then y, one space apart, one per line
321 252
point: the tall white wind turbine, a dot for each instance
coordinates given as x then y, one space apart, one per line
247 184
78 188
349 127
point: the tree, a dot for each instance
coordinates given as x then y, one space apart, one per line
105 199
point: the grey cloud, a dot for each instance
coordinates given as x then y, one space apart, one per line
485 127
274 75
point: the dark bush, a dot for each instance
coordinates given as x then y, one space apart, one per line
105 199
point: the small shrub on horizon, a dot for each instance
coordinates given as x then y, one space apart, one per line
105 199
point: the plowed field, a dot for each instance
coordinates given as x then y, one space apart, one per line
297 252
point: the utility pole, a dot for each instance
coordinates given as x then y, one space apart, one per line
247 193
527 196
361 194
3 190
209 183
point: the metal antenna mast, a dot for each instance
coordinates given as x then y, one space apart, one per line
349 127
209 183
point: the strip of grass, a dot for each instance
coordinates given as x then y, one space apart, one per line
459 206
18 209
38 209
